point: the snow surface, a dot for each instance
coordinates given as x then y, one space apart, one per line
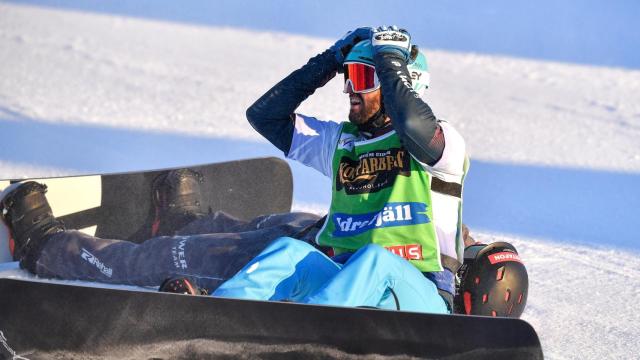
554 147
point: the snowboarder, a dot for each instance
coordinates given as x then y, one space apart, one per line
394 223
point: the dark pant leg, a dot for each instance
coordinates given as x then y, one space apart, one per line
221 222
209 258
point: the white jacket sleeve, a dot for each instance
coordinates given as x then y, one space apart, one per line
314 142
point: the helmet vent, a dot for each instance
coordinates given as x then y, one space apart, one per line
507 295
520 298
494 313
500 273
467 302
485 298
477 280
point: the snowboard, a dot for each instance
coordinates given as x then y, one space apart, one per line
119 205
45 320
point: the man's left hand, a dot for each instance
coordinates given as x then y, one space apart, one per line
391 40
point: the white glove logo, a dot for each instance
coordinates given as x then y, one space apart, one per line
391 36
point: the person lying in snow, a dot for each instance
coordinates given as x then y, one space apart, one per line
393 230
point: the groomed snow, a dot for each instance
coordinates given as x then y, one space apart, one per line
86 93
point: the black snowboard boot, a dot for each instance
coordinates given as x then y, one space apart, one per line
181 285
176 196
28 215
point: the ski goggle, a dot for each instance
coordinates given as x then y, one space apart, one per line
362 77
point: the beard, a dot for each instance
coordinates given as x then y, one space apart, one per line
364 112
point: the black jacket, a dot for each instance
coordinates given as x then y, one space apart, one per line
272 115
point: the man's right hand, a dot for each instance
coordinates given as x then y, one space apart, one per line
342 47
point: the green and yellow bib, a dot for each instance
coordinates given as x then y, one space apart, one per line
381 195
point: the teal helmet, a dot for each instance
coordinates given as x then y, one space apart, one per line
361 52
418 67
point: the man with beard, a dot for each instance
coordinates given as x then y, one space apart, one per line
394 226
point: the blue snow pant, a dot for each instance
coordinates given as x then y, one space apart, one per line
289 269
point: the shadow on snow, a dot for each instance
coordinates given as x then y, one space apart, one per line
571 205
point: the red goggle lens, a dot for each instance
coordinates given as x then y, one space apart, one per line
362 76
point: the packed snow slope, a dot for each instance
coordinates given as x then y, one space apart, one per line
567 31
554 147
